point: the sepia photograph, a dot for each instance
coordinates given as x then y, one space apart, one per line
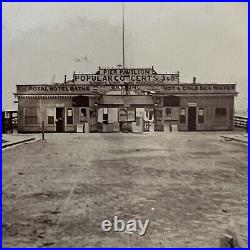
124 124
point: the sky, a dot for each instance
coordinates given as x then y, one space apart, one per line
44 41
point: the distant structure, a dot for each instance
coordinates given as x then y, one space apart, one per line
126 100
9 121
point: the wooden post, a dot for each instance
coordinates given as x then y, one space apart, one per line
170 125
42 130
229 241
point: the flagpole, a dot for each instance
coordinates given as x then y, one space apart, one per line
123 37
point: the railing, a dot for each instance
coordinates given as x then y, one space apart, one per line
241 122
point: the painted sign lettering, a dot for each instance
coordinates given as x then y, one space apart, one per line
128 78
142 88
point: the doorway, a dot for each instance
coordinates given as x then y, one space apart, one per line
126 127
192 119
59 120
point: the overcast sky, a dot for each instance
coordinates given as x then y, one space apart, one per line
206 40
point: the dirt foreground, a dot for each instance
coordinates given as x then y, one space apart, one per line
191 186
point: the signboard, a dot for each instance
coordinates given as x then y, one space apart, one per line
128 78
126 71
124 75
102 89
192 104
60 105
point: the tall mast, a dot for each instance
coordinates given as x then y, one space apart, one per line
123 37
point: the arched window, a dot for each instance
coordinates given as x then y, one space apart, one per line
83 112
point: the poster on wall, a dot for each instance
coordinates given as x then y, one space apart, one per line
126 114
131 114
122 115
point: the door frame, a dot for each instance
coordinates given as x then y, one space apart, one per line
63 120
192 124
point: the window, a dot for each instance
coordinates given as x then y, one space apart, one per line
31 116
69 116
51 115
200 115
105 116
183 115
168 112
83 114
220 115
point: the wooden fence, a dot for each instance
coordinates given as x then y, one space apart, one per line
241 122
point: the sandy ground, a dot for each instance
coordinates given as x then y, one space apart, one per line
191 186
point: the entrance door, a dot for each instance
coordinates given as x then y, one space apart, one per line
192 119
59 120
126 127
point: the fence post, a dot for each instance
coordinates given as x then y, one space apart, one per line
42 130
